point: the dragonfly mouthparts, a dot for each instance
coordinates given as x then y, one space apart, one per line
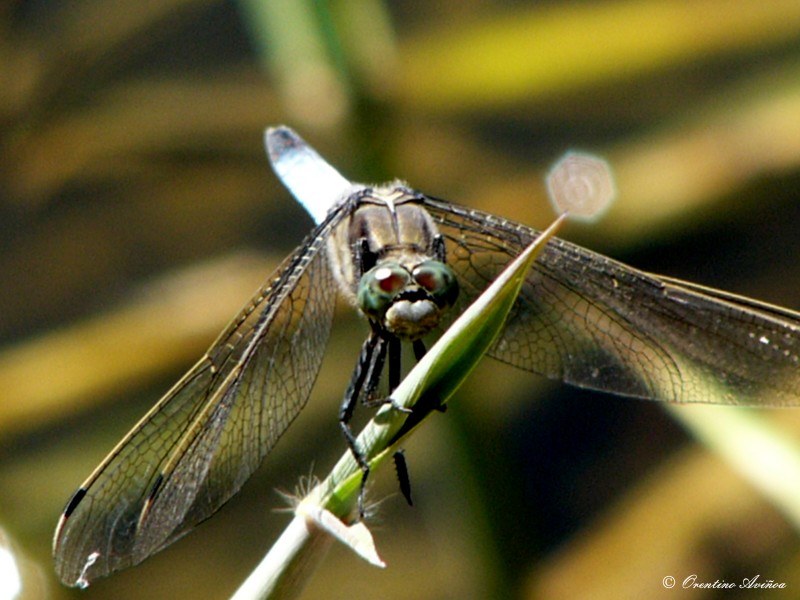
412 317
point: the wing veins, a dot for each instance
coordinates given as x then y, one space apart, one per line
215 377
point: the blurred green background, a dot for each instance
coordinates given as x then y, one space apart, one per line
138 213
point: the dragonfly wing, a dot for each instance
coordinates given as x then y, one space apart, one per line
596 323
195 448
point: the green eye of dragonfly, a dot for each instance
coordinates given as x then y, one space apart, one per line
379 286
438 280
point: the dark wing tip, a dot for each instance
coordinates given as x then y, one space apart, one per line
73 502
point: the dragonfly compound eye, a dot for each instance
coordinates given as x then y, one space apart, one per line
438 280
379 286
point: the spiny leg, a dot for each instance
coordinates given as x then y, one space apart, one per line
401 467
368 368
373 376
394 351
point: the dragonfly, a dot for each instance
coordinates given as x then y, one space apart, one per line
409 263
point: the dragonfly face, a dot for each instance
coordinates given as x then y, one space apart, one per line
389 259
410 263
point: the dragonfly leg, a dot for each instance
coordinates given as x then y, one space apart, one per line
373 375
394 351
401 467
373 353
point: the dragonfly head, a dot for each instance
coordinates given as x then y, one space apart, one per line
407 302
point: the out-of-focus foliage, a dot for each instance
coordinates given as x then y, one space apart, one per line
138 212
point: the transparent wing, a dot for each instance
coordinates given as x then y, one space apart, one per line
204 438
593 322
